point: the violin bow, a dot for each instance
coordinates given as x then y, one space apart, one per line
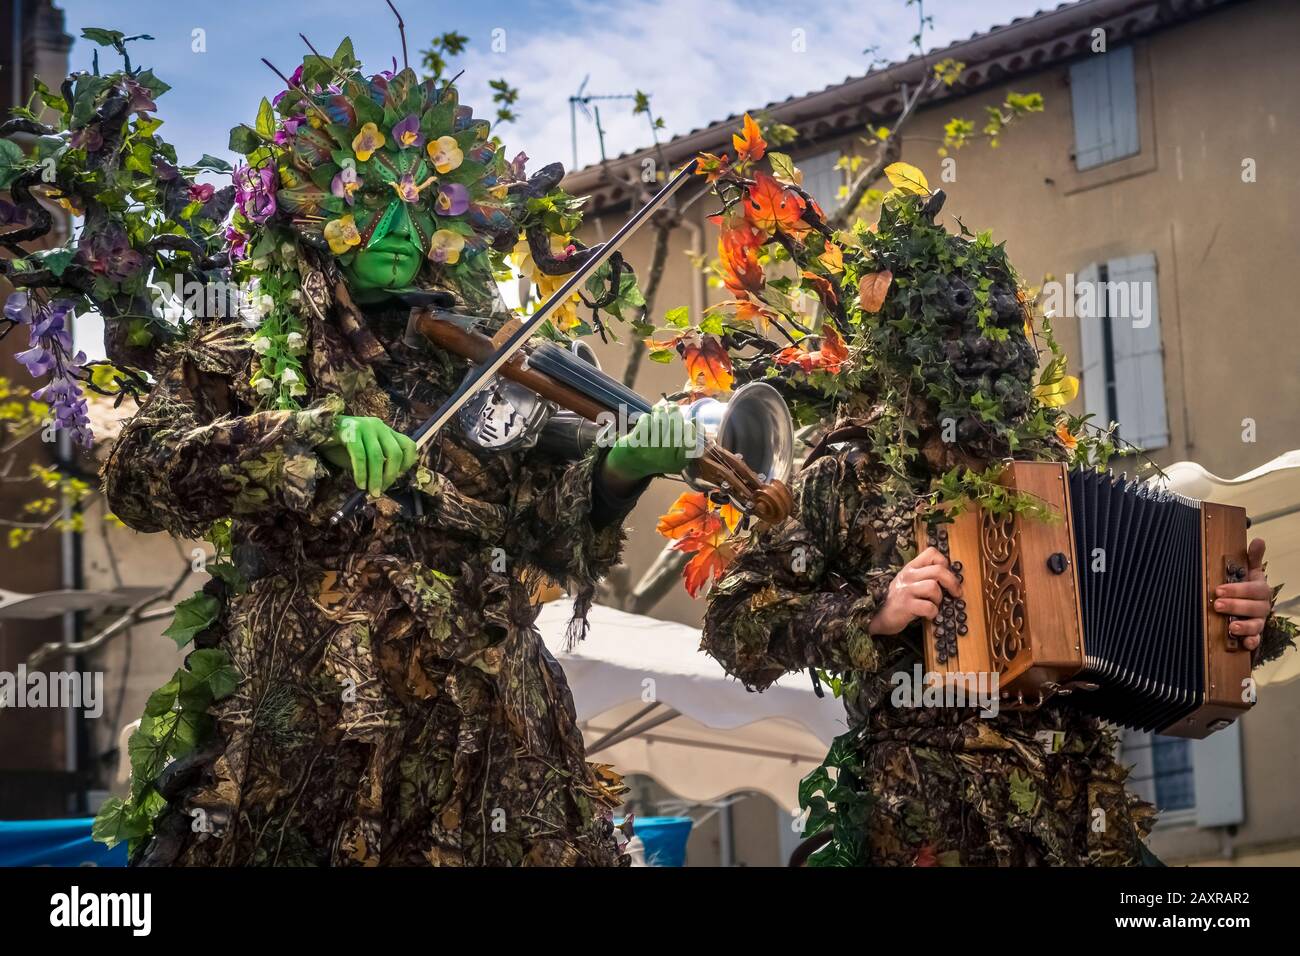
518 331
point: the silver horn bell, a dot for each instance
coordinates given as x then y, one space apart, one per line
754 425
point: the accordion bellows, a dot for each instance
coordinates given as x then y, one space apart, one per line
1109 607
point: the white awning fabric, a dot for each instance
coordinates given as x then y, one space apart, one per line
649 701
1271 496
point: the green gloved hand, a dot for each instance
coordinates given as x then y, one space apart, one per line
377 454
660 443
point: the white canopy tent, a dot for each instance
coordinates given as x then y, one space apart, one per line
1271 496
649 701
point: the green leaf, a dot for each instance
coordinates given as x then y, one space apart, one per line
210 668
678 318
57 261
194 614
214 164
244 139
103 37
116 822
12 162
265 119
782 167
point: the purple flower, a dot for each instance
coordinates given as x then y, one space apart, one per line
108 253
20 308
345 183
517 165
407 133
453 200
141 99
201 192
288 129
165 171
38 359
50 341
88 138
238 243
68 404
255 192
295 80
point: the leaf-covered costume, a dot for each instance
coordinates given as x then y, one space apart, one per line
917 785
394 704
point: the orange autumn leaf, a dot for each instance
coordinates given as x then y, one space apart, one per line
771 206
708 365
712 555
872 289
1064 434
825 289
749 142
712 167
832 258
694 513
828 358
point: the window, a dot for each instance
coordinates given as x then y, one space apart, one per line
1162 770
1118 310
1188 781
1104 97
821 179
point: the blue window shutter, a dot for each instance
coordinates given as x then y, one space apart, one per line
1092 352
1216 765
1138 350
1103 93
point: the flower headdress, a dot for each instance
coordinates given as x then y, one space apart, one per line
346 160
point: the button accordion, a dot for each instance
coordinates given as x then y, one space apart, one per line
1108 604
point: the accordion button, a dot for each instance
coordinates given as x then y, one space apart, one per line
961 629
1057 563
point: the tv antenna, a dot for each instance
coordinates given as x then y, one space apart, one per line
585 102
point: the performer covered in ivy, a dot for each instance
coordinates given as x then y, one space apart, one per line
371 692
394 703
929 360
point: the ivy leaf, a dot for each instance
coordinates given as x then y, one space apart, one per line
211 668
679 317
194 614
116 822
1058 393
907 178
12 161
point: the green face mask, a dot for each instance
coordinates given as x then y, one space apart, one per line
390 264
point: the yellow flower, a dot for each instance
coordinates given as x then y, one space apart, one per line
445 153
445 246
566 316
342 234
367 141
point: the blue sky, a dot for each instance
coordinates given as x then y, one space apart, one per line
700 61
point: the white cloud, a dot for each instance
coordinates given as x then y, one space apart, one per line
700 62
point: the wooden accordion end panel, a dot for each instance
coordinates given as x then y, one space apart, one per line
1111 603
